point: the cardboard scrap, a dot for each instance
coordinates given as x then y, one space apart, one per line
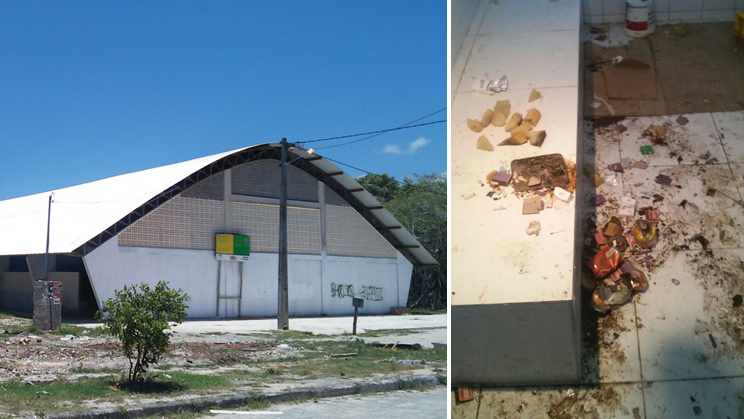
524 128
627 207
484 144
534 95
532 205
536 138
616 167
514 121
632 78
640 165
534 181
500 113
486 118
533 117
475 126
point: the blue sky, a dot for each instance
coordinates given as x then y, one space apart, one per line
92 89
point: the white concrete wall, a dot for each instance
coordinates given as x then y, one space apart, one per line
515 344
111 266
463 12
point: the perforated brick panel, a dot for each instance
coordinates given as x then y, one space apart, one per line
349 234
333 198
261 222
261 178
181 223
210 188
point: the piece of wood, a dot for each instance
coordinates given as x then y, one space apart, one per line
500 113
484 144
533 117
514 121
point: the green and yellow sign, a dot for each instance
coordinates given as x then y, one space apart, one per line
232 247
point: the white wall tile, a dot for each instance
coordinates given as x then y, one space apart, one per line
719 15
613 7
685 5
688 16
614 18
718 4
592 7
593 19
662 17
661 6
740 5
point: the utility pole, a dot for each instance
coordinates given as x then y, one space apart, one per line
46 255
283 303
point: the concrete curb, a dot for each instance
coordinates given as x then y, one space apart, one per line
235 401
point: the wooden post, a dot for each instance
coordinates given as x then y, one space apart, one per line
356 313
357 302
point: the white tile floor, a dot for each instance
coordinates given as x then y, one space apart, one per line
679 350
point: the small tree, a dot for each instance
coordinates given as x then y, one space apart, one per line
139 316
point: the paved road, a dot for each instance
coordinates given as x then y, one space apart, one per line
431 403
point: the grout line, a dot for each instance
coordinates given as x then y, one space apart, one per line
728 161
467 60
640 361
480 397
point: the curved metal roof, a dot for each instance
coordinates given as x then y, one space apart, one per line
85 216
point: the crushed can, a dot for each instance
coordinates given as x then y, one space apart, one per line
645 234
606 296
606 261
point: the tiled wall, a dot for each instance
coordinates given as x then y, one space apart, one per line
261 222
261 178
209 188
667 11
333 198
349 234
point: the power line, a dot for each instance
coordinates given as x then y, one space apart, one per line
373 132
378 134
361 170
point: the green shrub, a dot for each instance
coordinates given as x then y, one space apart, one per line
138 316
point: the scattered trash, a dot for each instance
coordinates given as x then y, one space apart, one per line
615 337
647 150
598 181
648 260
645 234
514 121
346 355
536 138
550 169
500 113
411 346
475 126
616 167
627 207
682 120
561 409
234 340
464 394
533 117
533 228
611 179
700 239
563 194
484 144
681 30
284 346
621 128
480 182
626 162
532 205
595 105
640 165
533 181
489 86
617 60
613 227
675 281
534 95
609 107
600 37
468 196
737 300
712 341
501 178
599 200
605 262
663 180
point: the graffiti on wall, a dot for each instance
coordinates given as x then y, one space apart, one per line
369 293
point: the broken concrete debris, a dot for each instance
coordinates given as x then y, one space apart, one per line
486 118
550 169
517 139
562 409
675 281
536 138
500 113
524 128
475 126
533 117
533 228
484 144
663 180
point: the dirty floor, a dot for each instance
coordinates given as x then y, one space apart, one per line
676 350
694 68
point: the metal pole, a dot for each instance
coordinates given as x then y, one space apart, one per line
356 313
46 256
283 305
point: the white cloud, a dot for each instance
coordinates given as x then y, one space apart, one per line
413 147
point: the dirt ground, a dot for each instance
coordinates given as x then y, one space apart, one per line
698 69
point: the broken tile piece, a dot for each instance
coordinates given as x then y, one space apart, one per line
627 207
626 162
533 117
600 239
536 138
663 180
563 194
517 139
616 167
599 199
534 181
620 128
484 144
502 178
682 120
500 113
514 121
534 95
598 181
486 118
640 165
533 228
531 205
475 126
521 129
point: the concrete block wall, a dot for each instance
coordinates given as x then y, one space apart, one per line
667 11
17 290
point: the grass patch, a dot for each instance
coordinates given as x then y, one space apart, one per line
73 329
